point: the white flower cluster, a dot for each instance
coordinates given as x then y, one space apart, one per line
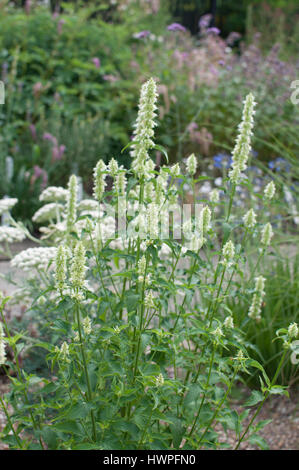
243 142
144 129
6 204
11 234
48 212
38 258
53 194
257 300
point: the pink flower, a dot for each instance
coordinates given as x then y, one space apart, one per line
142 34
57 152
33 131
110 78
59 26
38 172
50 137
37 89
27 6
96 62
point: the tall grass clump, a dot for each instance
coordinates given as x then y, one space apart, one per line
141 346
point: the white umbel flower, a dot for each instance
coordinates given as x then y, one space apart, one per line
53 194
38 258
243 142
88 206
51 211
11 234
7 204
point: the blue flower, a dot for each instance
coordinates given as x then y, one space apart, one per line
222 160
279 164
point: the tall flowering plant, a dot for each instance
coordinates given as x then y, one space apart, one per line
144 350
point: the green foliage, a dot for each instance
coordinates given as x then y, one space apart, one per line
142 346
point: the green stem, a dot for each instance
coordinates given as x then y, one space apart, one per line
10 423
204 395
86 371
263 401
219 406
20 374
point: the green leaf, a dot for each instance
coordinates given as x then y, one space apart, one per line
79 410
177 431
50 437
255 397
259 441
278 390
132 302
69 427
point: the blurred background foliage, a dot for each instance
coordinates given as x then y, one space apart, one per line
72 72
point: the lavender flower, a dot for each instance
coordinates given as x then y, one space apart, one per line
176 27
142 34
213 30
96 61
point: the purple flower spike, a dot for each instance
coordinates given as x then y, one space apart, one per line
176 27
33 131
50 137
142 34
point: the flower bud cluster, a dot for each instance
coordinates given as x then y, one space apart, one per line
144 127
6 204
11 234
269 190
243 142
60 269
99 175
71 203
257 300
228 252
266 235
39 258
78 268
191 164
51 211
53 194
249 219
